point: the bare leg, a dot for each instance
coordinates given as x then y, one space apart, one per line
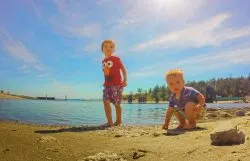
191 116
108 112
118 110
181 120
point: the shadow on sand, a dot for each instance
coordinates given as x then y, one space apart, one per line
173 132
73 129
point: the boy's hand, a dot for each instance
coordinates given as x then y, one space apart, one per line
164 127
197 108
124 83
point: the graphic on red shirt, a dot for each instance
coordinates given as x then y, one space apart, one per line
111 68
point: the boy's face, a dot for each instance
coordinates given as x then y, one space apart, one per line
108 49
175 83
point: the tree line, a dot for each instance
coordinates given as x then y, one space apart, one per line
224 87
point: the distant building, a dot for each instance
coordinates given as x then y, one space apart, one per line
46 98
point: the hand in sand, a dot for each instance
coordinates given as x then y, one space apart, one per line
197 108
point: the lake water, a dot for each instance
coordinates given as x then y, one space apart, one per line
84 112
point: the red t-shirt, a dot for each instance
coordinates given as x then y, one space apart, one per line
111 68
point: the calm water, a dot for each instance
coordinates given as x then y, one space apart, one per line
84 113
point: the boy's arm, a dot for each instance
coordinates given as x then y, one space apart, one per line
124 73
201 102
169 114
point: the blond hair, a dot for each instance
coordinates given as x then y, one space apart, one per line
175 72
108 41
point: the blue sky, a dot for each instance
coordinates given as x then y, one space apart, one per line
53 46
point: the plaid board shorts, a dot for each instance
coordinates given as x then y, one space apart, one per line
113 94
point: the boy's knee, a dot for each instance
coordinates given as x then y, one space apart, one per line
117 105
106 102
189 105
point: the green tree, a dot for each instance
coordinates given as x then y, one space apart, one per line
139 91
163 93
155 93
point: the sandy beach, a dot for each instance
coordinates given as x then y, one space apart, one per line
7 96
29 142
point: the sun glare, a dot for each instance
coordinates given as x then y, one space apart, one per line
169 3
162 2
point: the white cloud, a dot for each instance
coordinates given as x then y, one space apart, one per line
70 9
90 48
208 33
154 70
88 30
18 51
25 69
145 11
218 60
72 19
43 75
35 8
237 55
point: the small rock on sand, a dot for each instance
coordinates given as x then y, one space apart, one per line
227 134
240 113
156 134
105 156
118 135
248 113
6 150
225 114
175 131
46 139
138 154
211 115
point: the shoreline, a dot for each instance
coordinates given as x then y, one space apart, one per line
219 112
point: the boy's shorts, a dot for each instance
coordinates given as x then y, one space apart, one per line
113 94
199 115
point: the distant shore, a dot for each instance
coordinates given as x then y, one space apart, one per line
7 96
21 97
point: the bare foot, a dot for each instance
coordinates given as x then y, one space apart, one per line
117 123
164 127
189 126
180 126
108 124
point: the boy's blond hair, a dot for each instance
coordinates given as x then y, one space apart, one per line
175 72
108 41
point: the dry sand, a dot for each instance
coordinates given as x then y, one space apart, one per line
7 96
26 142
